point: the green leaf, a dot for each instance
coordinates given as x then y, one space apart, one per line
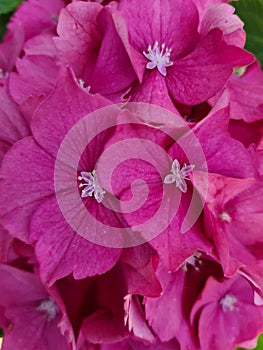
251 13
4 19
7 6
259 345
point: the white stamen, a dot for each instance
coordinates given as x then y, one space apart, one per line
224 216
3 74
82 84
193 260
179 176
91 186
49 307
228 303
157 58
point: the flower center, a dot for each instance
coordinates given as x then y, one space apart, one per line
178 175
91 186
82 84
49 307
3 74
228 303
157 58
224 216
193 260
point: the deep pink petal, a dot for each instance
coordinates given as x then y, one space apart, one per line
153 90
200 75
246 94
33 82
21 194
231 326
11 47
139 271
222 16
31 327
36 16
217 152
5 242
13 125
174 24
113 72
135 320
66 106
79 37
66 252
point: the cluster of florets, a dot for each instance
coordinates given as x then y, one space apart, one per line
138 227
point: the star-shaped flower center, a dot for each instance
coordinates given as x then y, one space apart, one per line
91 186
193 260
228 303
224 216
49 307
178 175
157 58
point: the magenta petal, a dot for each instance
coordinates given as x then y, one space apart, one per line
221 150
38 319
20 195
33 82
174 246
11 47
42 44
37 16
153 90
105 323
226 328
169 22
222 16
135 319
200 75
140 275
5 242
170 300
113 71
79 37
67 105
66 252
247 94
13 125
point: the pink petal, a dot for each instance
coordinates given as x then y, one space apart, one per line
66 252
79 37
135 319
113 71
153 90
11 47
19 198
222 16
14 127
139 271
66 106
30 327
33 82
200 75
36 16
174 24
